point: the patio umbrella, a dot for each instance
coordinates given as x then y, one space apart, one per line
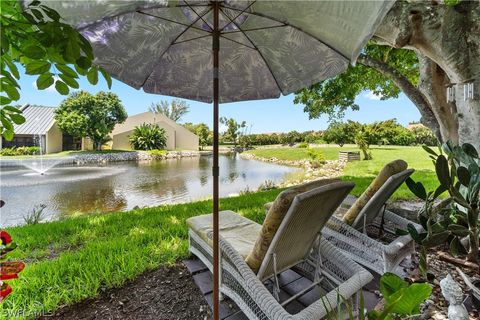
223 51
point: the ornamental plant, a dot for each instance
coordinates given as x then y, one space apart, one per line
148 137
456 220
8 269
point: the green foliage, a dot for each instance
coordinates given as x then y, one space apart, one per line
205 135
95 116
335 96
174 110
424 136
46 47
233 131
451 3
290 138
19 151
148 137
381 132
158 153
317 158
458 172
402 299
362 139
341 132
101 251
35 216
245 141
303 145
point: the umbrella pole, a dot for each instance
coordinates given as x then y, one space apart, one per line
215 169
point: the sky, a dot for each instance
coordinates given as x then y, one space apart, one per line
274 115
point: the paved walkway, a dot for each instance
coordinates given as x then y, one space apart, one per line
290 284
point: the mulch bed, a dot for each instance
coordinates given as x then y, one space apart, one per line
162 294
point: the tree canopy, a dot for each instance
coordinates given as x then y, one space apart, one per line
232 131
335 96
47 48
421 49
94 116
174 110
205 135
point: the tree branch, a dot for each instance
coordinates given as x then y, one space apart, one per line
428 117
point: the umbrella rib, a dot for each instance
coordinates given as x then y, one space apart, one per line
256 48
238 42
200 16
236 17
292 26
256 29
173 42
126 12
173 21
192 39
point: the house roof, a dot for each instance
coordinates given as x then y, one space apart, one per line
38 120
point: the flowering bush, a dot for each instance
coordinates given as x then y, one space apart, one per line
8 269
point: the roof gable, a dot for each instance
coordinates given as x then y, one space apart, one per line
38 120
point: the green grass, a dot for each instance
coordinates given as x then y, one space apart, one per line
71 260
363 172
74 259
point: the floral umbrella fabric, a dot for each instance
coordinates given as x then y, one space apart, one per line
267 48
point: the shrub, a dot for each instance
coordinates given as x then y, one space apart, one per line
302 145
35 216
20 151
341 132
158 153
317 159
458 172
148 137
424 136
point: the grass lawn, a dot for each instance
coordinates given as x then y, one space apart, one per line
363 172
74 259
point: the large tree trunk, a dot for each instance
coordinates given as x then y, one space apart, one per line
447 42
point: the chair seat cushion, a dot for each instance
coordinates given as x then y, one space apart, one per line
239 231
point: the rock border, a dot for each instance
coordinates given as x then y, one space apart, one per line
329 169
99 158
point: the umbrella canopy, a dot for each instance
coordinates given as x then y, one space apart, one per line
223 51
267 48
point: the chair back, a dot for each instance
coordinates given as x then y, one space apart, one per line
301 226
375 205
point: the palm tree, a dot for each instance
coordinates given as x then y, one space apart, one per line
174 110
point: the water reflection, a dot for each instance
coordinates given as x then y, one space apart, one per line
128 184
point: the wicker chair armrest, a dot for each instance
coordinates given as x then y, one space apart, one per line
400 222
338 229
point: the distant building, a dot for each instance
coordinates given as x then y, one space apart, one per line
178 137
40 129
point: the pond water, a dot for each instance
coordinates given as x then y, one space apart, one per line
70 190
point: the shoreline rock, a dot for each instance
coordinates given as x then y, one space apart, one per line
329 169
98 158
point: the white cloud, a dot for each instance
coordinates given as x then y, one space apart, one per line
372 96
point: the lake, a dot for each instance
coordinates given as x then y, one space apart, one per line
69 190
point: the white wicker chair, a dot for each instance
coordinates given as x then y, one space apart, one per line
297 243
384 252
